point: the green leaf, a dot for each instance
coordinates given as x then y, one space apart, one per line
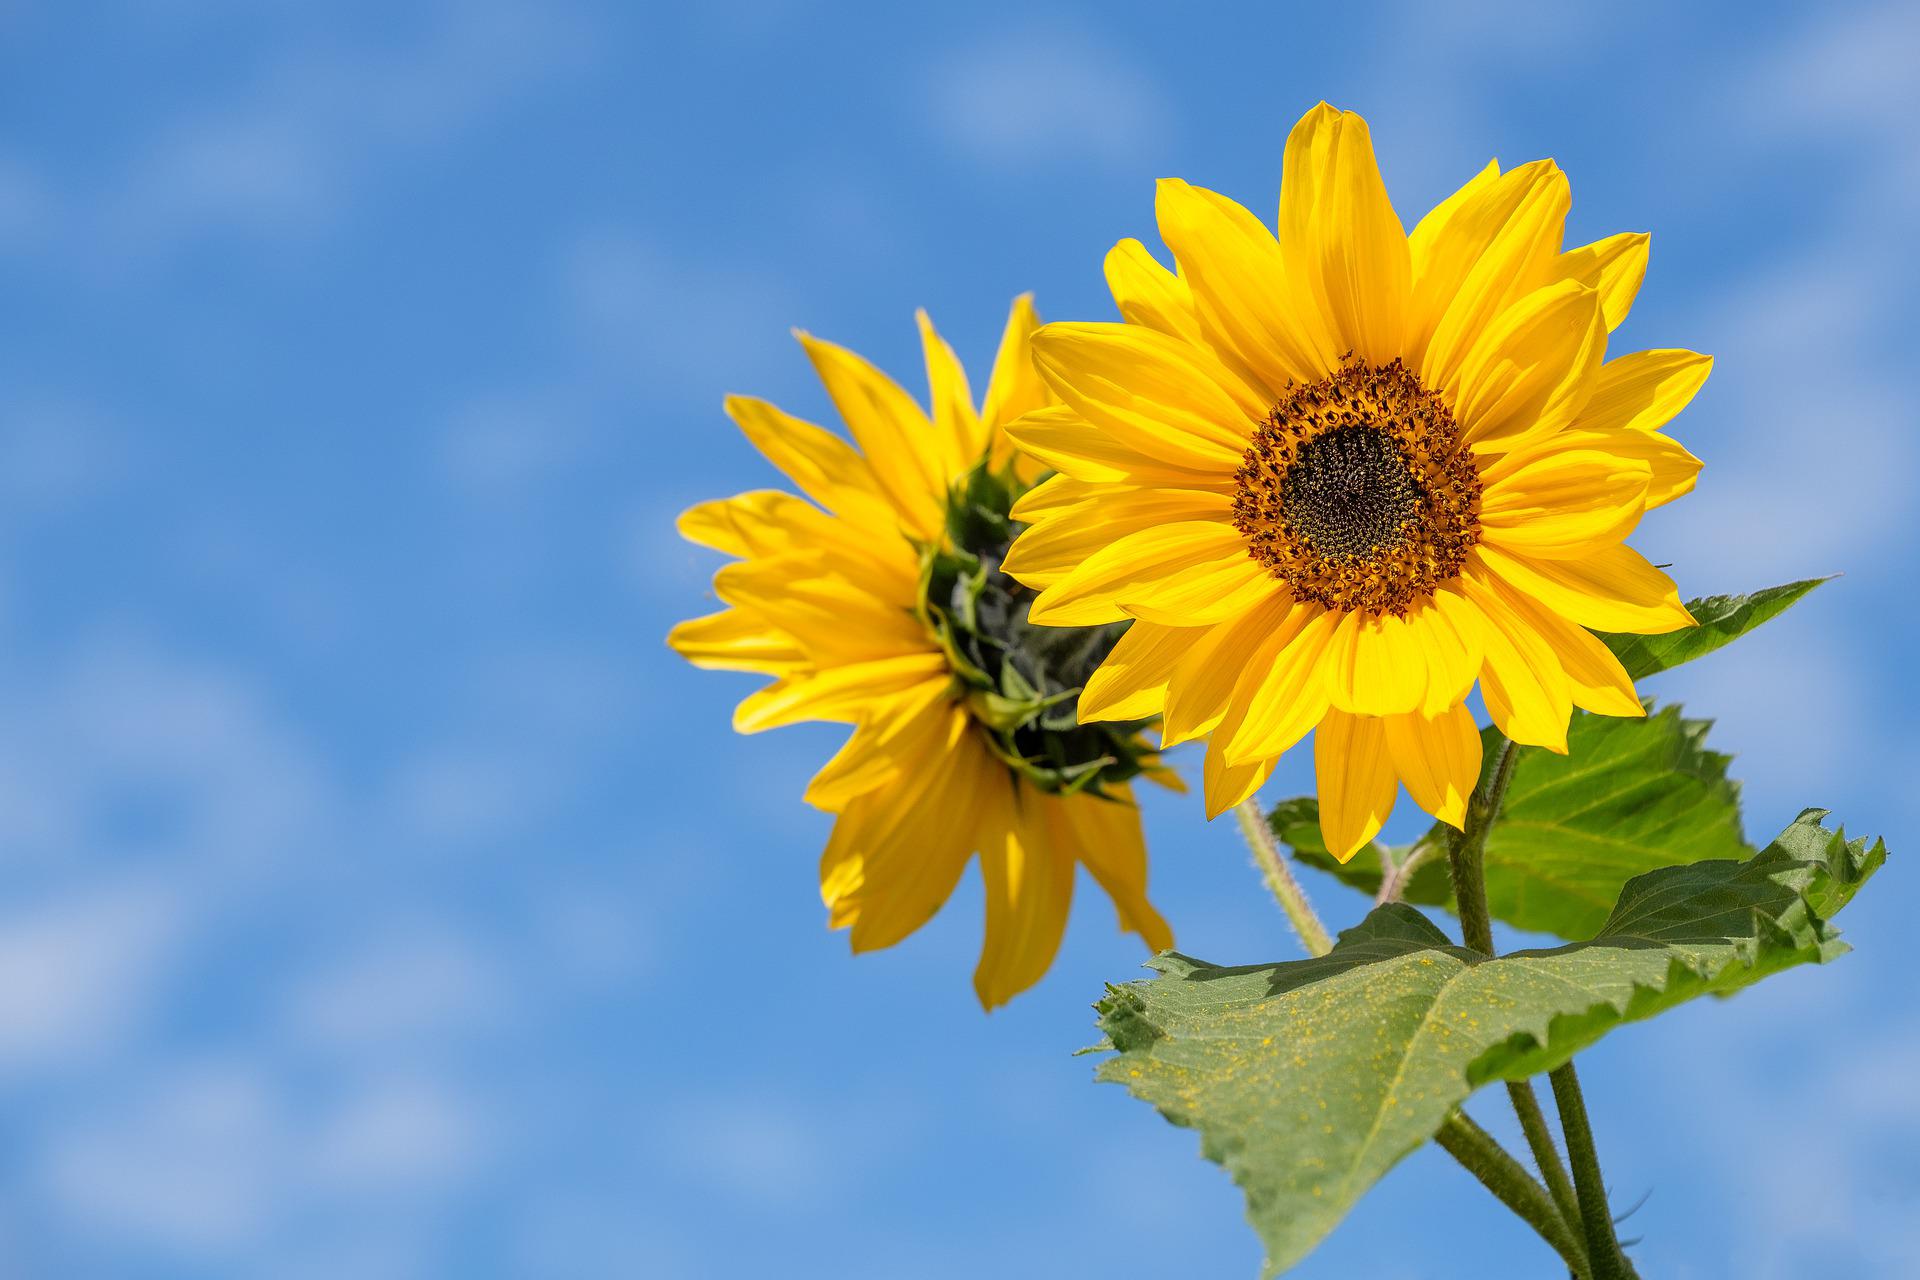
1308 1080
1629 796
1722 619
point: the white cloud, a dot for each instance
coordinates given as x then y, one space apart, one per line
667 318
1790 705
419 981
188 1166
225 1159
81 972
764 1147
54 451
397 1136
1851 66
1808 1145
298 136
115 746
509 445
1046 95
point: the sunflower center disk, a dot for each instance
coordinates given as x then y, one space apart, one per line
1357 491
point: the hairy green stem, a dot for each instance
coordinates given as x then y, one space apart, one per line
1279 877
1395 876
1513 1186
1596 1219
1466 862
1465 855
1533 1122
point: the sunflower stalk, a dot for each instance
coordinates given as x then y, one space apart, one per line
1479 1154
1580 1200
1596 1219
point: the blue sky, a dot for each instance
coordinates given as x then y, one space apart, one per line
381 898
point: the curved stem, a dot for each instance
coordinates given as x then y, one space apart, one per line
1279 877
1393 883
1465 854
1596 1219
1466 862
1533 1122
1501 1174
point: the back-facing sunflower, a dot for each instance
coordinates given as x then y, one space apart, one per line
884 607
1341 473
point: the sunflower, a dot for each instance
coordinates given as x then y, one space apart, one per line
881 604
1341 473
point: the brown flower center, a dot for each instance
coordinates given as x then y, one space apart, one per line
1357 491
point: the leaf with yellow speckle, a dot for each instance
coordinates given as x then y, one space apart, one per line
1310 1079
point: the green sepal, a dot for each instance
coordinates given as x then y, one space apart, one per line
1023 680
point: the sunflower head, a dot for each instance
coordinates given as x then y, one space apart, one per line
1339 475
882 603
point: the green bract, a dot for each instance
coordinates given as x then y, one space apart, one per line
1024 680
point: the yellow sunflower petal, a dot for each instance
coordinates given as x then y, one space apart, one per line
840 693
1356 780
1014 387
855 860
760 523
1055 495
894 435
1376 666
881 746
957 431
1190 573
1611 589
1050 549
1166 397
1202 684
1614 267
1132 683
827 468
1526 689
913 863
1496 244
1227 785
1533 369
1671 470
1452 632
1558 500
1282 692
1264 324
1643 390
1599 683
1340 237
1029 883
1107 837
769 522
1062 439
834 616
1438 759
734 641
1425 241
1148 294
